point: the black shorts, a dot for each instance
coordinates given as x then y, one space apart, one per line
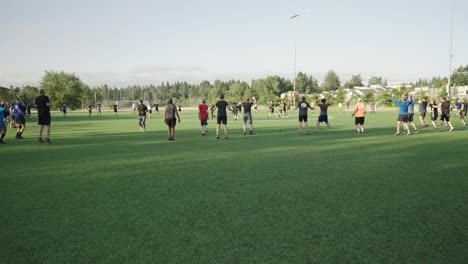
221 119
171 122
323 118
403 118
434 118
445 117
20 120
410 117
302 118
359 120
462 114
43 119
204 122
272 110
423 114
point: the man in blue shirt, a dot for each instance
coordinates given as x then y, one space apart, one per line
20 114
3 126
403 112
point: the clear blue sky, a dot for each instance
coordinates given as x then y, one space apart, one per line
149 41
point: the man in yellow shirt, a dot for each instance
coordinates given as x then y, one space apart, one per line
359 115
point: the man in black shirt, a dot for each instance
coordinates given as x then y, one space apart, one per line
222 115
42 103
445 107
423 111
303 106
142 109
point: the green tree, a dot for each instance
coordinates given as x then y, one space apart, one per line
374 80
386 97
306 84
340 95
63 88
368 97
460 76
28 94
331 81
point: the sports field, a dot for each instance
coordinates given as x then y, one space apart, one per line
104 192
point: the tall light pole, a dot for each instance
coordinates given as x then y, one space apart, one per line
450 54
295 62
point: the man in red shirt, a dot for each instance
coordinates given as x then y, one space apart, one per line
203 115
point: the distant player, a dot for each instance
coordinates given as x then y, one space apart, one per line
340 106
42 103
463 112
359 115
142 109
247 105
403 112
170 118
222 107
11 111
90 110
115 109
304 107
98 109
445 107
323 117
271 109
64 109
156 107
134 108
372 107
203 116
20 118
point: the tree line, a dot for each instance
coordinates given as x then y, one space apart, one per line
67 88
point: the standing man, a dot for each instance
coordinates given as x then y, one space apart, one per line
248 114
42 103
170 118
98 109
115 106
411 117
90 110
423 111
304 107
222 107
271 108
359 115
445 107
203 116
403 112
3 126
463 111
142 109
64 109
134 108
20 114
434 112
323 117
372 107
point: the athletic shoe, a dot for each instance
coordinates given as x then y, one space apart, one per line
217 136
40 140
225 137
245 133
20 137
451 129
397 134
300 132
416 131
251 132
47 140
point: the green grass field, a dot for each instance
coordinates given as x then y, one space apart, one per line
103 192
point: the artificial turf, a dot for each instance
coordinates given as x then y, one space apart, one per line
104 192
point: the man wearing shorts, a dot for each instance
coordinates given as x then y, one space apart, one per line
98 109
142 109
411 117
463 112
445 107
42 103
434 112
271 108
402 112
20 114
3 126
359 115
222 107
323 117
247 105
304 107
423 111
203 116
170 118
